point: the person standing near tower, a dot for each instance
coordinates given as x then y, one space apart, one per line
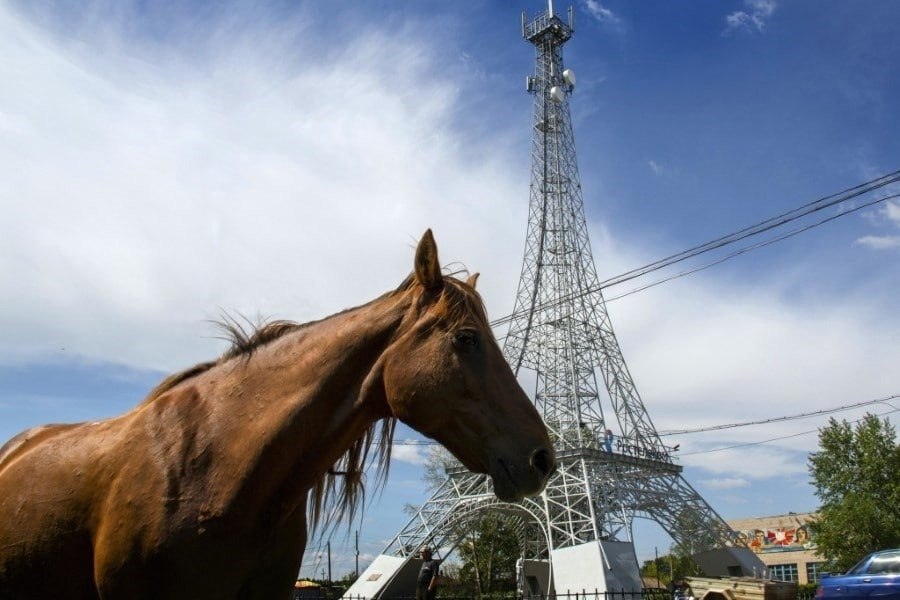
427 582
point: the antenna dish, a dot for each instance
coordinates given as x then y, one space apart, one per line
569 77
557 94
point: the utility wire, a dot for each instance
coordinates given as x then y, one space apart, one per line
754 247
743 250
775 439
816 413
763 226
825 411
792 215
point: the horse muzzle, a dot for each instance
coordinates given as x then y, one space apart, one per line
514 481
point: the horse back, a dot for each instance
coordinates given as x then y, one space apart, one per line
29 439
43 516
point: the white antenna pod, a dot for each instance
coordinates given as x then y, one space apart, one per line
569 77
557 94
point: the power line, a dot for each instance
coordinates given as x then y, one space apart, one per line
771 223
816 413
756 229
756 246
824 411
775 439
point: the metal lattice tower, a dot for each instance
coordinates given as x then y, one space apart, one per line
561 331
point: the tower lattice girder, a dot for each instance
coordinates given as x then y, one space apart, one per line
560 329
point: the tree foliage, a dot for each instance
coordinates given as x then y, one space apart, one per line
489 550
672 566
856 473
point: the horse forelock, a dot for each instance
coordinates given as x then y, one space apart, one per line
463 302
457 301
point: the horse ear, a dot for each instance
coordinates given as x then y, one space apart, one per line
473 279
428 269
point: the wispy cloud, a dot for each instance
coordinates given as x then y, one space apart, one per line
879 242
887 215
891 212
655 167
725 483
252 170
753 18
410 453
601 13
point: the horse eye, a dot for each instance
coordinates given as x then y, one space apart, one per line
465 339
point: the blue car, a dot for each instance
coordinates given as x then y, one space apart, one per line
876 577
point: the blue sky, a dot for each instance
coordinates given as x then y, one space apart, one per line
164 161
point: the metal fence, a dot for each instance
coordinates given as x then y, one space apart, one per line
647 594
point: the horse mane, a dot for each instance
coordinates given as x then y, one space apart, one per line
341 503
339 494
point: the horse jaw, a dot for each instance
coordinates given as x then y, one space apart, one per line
512 483
504 487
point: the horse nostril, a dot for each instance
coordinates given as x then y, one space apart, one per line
542 461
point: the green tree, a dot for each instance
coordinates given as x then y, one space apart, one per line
674 565
489 550
855 473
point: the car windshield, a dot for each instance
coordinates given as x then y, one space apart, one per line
859 567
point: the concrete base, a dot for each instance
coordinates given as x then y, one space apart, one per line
533 578
387 577
595 566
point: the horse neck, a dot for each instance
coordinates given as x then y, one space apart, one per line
312 394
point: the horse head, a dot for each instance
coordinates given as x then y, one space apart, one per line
445 376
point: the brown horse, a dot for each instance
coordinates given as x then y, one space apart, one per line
205 488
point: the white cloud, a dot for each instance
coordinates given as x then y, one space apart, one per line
736 500
708 353
892 212
752 463
887 215
725 483
754 18
143 193
655 167
880 242
410 453
601 13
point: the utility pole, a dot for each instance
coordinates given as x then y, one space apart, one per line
329 561
656 565
356 573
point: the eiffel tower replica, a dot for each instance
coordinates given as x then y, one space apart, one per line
577 534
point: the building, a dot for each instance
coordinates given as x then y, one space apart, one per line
785 544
